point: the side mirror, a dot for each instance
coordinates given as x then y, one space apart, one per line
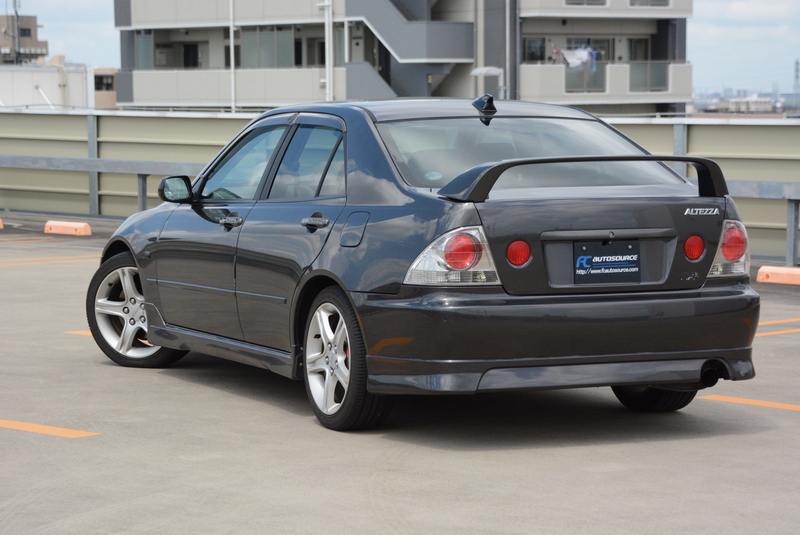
175 189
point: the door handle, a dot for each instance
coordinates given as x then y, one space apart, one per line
315 222
232 220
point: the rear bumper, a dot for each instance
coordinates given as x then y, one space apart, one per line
465 341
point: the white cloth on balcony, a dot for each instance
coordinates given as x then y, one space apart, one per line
572 57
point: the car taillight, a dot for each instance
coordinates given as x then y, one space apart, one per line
694 247
457 258
461 251
733 257
734 243
518 253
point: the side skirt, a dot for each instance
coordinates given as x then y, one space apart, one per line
175 337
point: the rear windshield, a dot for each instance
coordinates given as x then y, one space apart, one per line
430 153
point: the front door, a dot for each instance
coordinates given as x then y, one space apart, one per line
195 256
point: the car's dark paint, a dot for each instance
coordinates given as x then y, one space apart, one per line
434 339
550 230
448 329
197 268
274 251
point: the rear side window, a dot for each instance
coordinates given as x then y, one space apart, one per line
312 164
431 153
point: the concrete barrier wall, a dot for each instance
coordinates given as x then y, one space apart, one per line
175 137
747 149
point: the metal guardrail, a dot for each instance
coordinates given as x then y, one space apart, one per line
790 191
141 168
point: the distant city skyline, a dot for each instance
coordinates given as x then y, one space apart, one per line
736 44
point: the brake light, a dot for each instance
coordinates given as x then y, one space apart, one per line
694 247
733 257
734 243
458 258
461 251
518 253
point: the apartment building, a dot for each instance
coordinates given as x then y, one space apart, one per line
19 40
608 56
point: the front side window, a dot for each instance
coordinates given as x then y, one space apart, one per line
240 172
431 153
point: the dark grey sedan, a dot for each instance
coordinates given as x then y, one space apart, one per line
437 246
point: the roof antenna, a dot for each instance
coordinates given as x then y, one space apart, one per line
485 105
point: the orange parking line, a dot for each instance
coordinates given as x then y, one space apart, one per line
82 333
778 332
775 322
770 404
45 429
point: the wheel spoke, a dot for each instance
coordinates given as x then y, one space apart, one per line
109 308
315 362
330 394
127 338
322 318
340 336
343 375
126 277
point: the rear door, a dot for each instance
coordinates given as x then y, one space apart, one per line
197 247
286 230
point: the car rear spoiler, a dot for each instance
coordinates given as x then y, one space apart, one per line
473 185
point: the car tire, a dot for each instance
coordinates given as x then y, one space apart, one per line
118 319
334 360
646 399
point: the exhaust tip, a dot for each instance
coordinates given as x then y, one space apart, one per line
709 377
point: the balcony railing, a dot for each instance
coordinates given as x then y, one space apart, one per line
649 76
607 82
588 77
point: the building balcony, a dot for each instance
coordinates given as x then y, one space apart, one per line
642 82
255 88
194 13
606 8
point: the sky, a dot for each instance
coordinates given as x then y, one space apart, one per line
737 44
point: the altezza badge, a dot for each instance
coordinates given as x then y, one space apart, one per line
701 211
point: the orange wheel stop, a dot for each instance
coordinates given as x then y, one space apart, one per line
779 274
67 227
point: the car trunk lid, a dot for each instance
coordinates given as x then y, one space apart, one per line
603 243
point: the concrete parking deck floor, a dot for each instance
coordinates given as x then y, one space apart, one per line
210 446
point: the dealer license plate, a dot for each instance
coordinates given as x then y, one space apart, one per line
607 262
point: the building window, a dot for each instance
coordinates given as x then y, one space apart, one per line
24 32
104 83
657 3
144 49
267 47
586 2
638 49
237 56
533 50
